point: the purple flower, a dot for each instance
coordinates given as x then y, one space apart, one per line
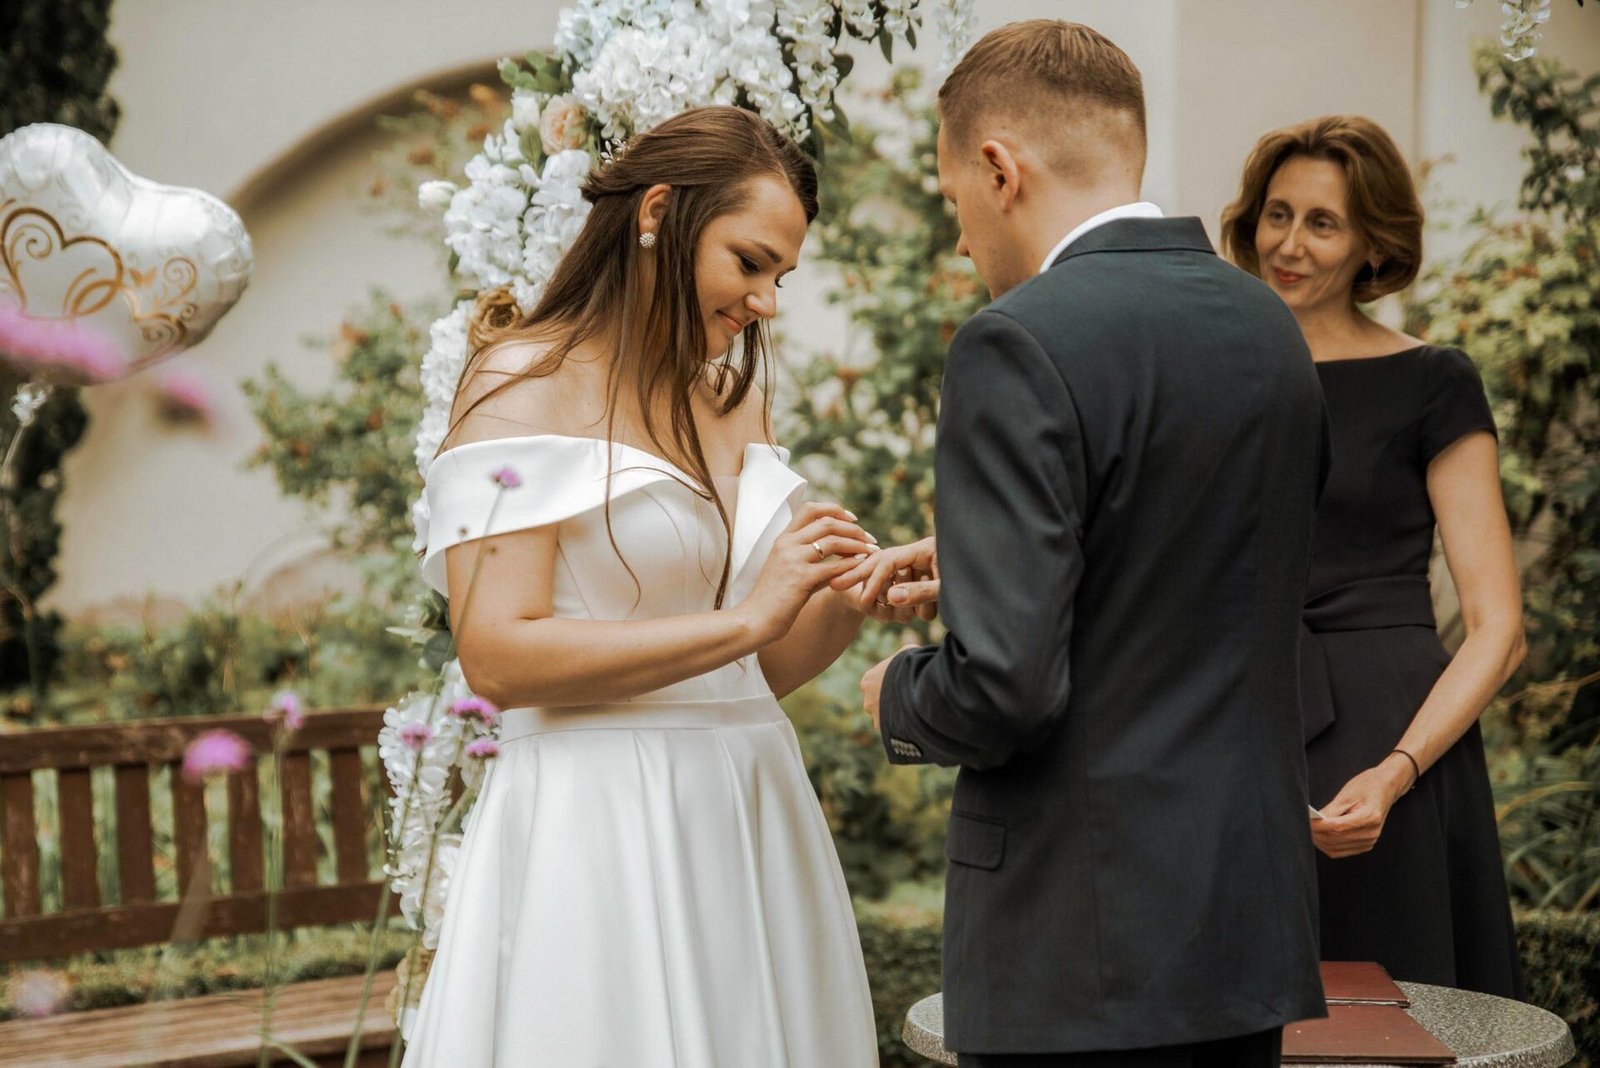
415 735
483 749
58 350
38 992
216 752
286 707
506 477
475 708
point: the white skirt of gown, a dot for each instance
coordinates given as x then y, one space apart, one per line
647 885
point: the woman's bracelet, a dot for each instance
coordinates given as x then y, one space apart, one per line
1416 769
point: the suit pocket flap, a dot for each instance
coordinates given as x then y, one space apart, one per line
975 841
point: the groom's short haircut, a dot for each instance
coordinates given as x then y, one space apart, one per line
1065 85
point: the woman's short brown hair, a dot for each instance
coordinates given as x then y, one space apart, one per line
1384 208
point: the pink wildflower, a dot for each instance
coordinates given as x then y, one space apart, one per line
38 992
183 399
58 350
286 707
216 752
415 735
483 749
475 708
506 477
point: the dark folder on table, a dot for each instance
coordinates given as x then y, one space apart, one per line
1366 1024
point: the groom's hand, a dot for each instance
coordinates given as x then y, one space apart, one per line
872 681
897 583
872 689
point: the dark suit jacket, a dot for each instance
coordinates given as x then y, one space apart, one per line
1130 450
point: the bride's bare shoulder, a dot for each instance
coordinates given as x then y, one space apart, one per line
750 421
523 387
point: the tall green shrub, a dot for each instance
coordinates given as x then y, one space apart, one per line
351 445
1524 302
55 62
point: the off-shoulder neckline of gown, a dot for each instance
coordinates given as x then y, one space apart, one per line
663 461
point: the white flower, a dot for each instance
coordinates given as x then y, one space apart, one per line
441 371
435 196
421 781
1520 32
954 20
806 26
859 16
640 78
897 15
525 112
482 221
561 127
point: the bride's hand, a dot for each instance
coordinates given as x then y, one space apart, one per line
822 543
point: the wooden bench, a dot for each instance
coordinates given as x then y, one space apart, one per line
315 1018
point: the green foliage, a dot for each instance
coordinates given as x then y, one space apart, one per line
31 535
55 62
1524 302
868 419
132 977
901 945
1550 829
861 427
432 142
222 659
1561 965
888 822
352 445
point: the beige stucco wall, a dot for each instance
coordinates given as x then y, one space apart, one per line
213 93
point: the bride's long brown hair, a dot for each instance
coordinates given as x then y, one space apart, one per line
707 156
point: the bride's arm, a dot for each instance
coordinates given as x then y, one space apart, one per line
514 651
826 627
517 654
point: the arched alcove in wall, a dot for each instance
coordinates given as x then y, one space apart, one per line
155 516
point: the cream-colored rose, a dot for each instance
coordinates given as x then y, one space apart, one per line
561 125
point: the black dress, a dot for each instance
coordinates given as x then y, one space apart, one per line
1429 901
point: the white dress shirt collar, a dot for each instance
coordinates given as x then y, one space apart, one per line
1141 210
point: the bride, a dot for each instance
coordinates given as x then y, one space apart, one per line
647 878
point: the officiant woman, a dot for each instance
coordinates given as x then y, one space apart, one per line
1409 864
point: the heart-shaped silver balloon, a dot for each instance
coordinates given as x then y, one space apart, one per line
152 266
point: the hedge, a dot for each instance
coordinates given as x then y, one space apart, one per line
1560 953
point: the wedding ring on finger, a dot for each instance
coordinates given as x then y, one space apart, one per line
818 547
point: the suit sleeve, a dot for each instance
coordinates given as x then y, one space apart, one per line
1009 487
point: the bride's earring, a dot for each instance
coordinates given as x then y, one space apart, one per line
647 239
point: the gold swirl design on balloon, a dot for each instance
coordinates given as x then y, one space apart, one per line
33 234
164 323
160 299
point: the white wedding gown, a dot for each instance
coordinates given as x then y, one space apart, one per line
647 882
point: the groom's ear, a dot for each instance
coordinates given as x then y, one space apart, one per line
1001 172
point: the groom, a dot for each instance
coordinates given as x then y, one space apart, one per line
1130 448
